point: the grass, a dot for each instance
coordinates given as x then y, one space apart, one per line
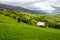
6 19
11 30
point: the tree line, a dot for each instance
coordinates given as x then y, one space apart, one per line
32 19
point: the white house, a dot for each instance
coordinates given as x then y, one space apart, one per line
42 24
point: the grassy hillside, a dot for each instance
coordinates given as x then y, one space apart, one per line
6 19
11 30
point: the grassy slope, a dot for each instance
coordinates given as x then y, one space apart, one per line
10 30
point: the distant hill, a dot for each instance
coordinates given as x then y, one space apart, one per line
9 7
57 11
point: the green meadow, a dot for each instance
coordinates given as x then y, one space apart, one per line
10 29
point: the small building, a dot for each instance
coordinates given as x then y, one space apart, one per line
41 24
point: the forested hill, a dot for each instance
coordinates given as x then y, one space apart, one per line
50 20
10 7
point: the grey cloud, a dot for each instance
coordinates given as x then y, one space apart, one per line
28 3
20 2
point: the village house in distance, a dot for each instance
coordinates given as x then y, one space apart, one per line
41 24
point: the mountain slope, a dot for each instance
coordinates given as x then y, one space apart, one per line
5 19
9 7
21 31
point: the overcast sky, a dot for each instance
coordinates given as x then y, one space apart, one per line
45 5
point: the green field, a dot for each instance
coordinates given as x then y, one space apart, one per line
11 30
